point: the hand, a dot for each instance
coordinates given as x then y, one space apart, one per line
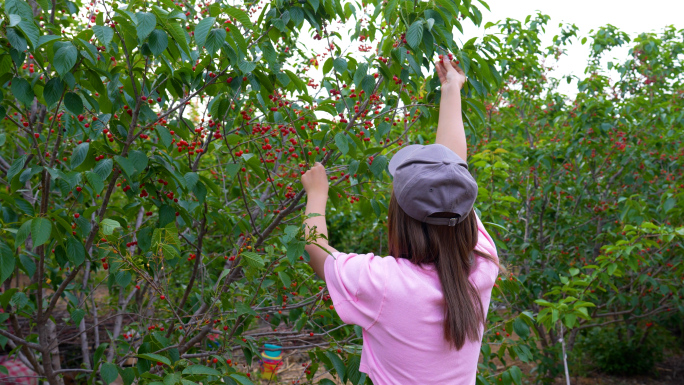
450 74
315 181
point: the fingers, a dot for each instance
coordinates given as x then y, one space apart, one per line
440 71
457 68
445 61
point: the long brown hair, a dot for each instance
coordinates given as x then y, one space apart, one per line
450 250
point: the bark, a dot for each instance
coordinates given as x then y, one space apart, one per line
85 347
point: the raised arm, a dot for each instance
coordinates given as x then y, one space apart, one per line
315 182
450 131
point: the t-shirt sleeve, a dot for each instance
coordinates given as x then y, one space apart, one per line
357 284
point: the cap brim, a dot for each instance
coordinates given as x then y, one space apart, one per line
401 156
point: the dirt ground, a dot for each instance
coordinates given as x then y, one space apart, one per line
670 372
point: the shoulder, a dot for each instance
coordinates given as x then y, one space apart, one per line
360 265
354 261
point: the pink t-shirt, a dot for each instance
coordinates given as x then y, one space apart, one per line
400 307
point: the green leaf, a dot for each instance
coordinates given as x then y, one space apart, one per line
239 15
201 370
53 91
178 34
7 262
32 33
368 84
125 164
342 143
77 315
123 278
104 34
215 40
669 204
20 8
338 365
109 225
46 39
73 103
16 167
79 154
156 358
109 372
41 228
521 328
75 251
379 165
104 168
253 259
21 89
296 248
246 66
241 379
202 30
516 374
328 65
353 363
14 19
65 58
27 264
158 41
244 308
169 251
138 159
17 41
414 35
145 24
340 65
191 179
167 214
285 278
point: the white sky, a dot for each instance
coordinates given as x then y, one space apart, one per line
630 16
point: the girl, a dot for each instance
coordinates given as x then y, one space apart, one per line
423 308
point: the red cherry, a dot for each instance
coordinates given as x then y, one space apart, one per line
137 287
162 297
77 215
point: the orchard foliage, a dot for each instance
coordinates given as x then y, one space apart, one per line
585 195
155 148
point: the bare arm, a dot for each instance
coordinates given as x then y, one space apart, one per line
316 185
450 131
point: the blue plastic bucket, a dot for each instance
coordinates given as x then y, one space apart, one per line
272 350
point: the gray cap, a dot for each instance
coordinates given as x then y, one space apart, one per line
430 179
